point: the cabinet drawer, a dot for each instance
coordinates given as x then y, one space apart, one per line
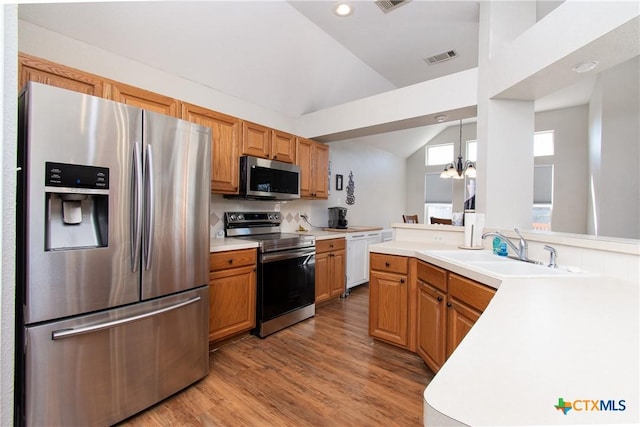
232 259
390 263
329 245
433 275
471 293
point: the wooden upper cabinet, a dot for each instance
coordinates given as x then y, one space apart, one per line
145 99
266 143
320 181
283 146
39 70
256 140
303 159
313 159
225 146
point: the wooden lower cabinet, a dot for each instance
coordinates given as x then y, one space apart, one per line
432 318
448 307
392 300
330 269
232 293
421 307
467 300
460 319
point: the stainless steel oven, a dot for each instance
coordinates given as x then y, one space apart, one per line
286 270
286 289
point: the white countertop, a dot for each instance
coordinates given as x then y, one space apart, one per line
230 244
322 234
539 340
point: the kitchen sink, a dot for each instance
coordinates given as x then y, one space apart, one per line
499 266
514 268
468 256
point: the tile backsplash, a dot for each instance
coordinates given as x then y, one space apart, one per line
290 211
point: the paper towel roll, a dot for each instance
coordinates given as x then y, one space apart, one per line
469 229
477 231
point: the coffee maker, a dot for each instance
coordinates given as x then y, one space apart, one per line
337 217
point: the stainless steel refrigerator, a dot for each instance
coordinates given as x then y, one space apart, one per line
113 252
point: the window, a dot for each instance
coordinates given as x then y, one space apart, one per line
542 197
439 154
438 210
472 150
438 196
543 143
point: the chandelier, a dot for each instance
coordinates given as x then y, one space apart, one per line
460 169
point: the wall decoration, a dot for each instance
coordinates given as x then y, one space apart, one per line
329 178
351 186
338 182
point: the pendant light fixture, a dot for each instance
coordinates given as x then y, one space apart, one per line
460 169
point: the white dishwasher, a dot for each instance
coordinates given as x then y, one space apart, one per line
358 256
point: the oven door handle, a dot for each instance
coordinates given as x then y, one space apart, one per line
279 256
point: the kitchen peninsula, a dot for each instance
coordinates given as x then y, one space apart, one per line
541 340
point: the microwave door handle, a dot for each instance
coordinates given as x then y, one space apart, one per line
150 208
136 205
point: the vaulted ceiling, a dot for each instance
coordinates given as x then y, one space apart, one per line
293 57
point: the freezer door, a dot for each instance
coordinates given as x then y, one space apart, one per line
177 162
89 133
100 369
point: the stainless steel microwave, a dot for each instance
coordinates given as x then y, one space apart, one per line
268 179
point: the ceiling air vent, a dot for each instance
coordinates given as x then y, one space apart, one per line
441 57
389 5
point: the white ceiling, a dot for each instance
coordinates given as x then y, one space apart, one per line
294 57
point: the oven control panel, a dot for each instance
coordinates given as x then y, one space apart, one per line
257 218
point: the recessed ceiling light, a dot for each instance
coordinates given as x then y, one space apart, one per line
440 118
343 9
585 67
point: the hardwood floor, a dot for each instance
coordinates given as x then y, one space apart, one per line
325 371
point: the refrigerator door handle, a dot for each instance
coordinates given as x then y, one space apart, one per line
68 333
136 203
150 208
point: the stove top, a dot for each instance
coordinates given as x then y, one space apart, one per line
264 228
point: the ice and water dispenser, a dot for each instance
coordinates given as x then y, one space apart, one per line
76 206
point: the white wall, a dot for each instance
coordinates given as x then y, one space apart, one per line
416 169
570 173
379 177
8 124
58 48
614 125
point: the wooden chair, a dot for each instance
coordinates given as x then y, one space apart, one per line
410 219
445 221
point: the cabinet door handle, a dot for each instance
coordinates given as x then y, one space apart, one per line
448 304
401 280
275 157
230 261
439 298
386 264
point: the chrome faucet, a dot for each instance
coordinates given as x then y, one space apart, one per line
553 254
522 249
